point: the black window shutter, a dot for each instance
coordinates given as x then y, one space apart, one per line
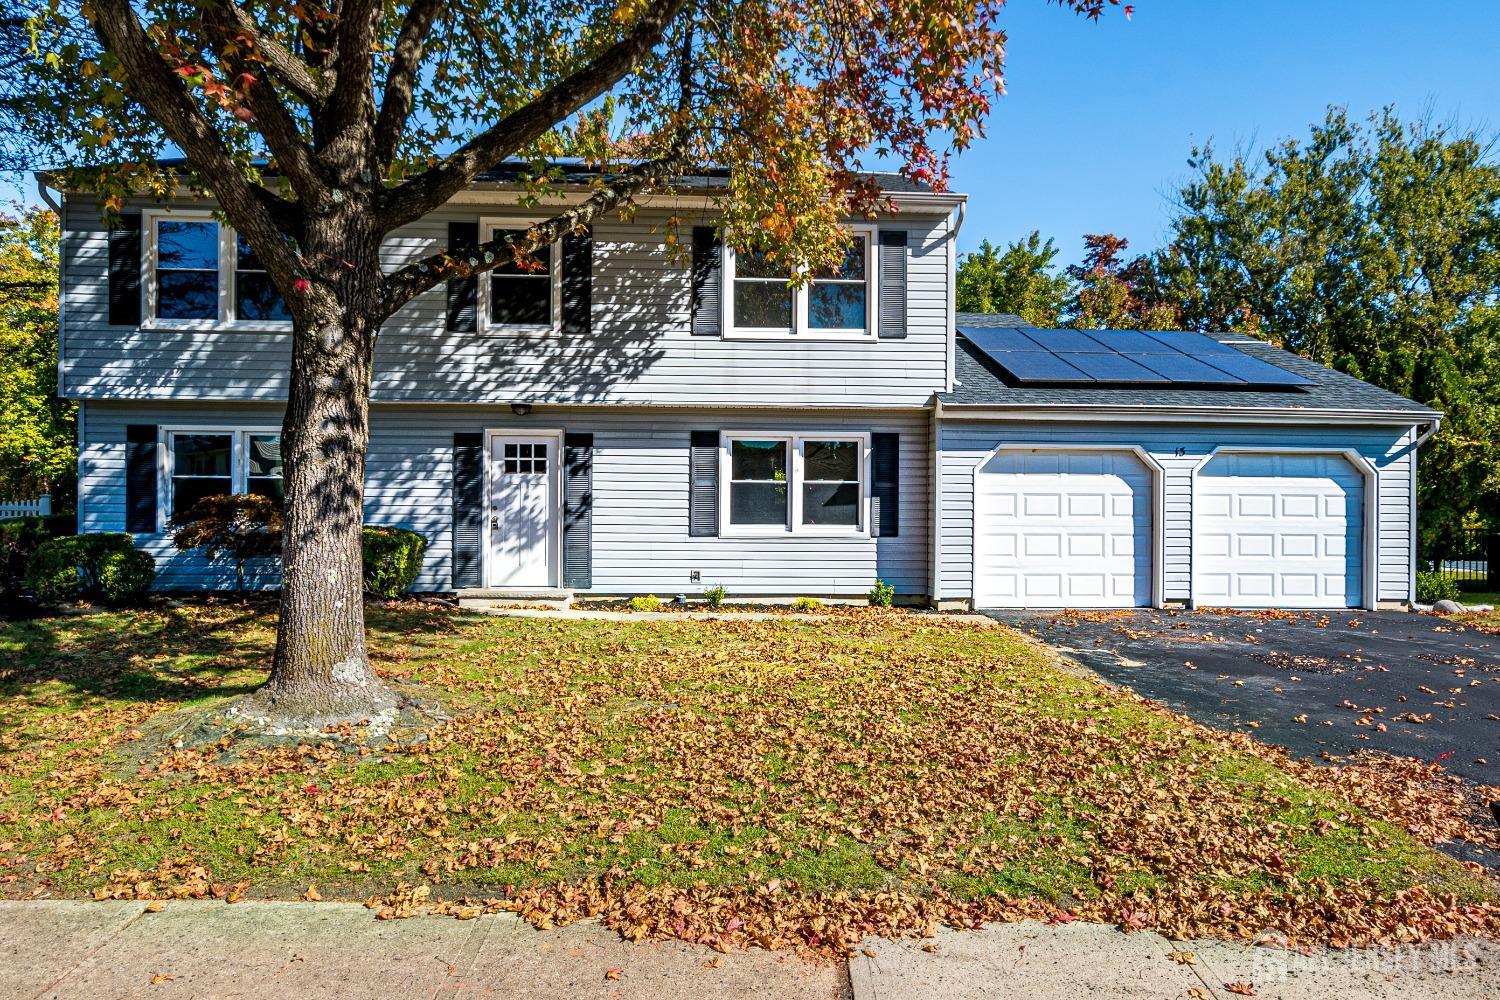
577 282
463 293
885 492
707 270
703 484
140 479
578 510
468 509
892 294
125 272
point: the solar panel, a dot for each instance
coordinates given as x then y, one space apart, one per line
1189 343
1129 342
1031 356
1255 371
1068 341
1113 368
989 339
1041 366
1181 368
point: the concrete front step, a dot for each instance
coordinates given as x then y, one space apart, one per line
479 598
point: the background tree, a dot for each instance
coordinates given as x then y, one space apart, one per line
37 451
372 113
1024 280
1112 293
1373 248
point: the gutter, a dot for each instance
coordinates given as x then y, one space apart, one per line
1209 414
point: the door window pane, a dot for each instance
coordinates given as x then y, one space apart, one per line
522 295
187 270
758 484
830 482
201 466
255 297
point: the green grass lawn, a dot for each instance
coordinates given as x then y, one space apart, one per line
729 781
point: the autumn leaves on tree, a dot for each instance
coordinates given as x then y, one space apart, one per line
319 128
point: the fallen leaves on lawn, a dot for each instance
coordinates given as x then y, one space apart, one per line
731 783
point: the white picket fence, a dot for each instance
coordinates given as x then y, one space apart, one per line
42 505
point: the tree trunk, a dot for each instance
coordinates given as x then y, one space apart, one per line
321 673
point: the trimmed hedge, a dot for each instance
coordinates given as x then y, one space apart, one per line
104 566
392 557
1433 587
19 539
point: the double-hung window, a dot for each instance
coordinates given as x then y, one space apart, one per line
200 274
523 297
205 463
794 483
834 302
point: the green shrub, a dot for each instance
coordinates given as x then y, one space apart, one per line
806 604
881 595
645 602
392 557
1433 587
126 575
715 596
241 526
103 565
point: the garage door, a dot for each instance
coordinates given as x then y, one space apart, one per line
1278 531
1062 529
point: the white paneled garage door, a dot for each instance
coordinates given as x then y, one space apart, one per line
1062 529
1278 531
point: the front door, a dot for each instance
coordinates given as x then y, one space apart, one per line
521 477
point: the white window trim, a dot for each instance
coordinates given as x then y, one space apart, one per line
800 329
149 292
239 466
485 325
795 478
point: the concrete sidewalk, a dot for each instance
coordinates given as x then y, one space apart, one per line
68 949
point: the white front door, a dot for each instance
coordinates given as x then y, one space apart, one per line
522 472
1278 531
1062 529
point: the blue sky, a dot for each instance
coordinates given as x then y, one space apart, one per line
1094 132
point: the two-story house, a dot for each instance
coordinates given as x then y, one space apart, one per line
630 420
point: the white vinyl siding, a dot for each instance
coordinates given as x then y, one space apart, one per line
640 350
640 487
1180 448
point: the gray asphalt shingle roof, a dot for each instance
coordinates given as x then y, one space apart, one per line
978 381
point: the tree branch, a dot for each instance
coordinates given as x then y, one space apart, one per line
400 81
165 97
350 105
459 262
294 74
275 123
427 191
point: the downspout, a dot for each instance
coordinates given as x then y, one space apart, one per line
1417 442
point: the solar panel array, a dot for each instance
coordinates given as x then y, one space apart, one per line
1032 356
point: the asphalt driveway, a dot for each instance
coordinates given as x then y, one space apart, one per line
1314 682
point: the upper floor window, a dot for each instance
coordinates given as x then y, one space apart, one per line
201 274
187 269
833 302
206 463
524 298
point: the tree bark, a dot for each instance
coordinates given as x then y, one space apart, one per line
320 672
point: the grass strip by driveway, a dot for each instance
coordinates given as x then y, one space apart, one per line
733 782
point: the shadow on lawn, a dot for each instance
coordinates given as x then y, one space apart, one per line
181 651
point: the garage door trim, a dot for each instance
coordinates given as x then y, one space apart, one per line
1158 505
1369 534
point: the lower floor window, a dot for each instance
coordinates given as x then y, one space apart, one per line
215 463
808 483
